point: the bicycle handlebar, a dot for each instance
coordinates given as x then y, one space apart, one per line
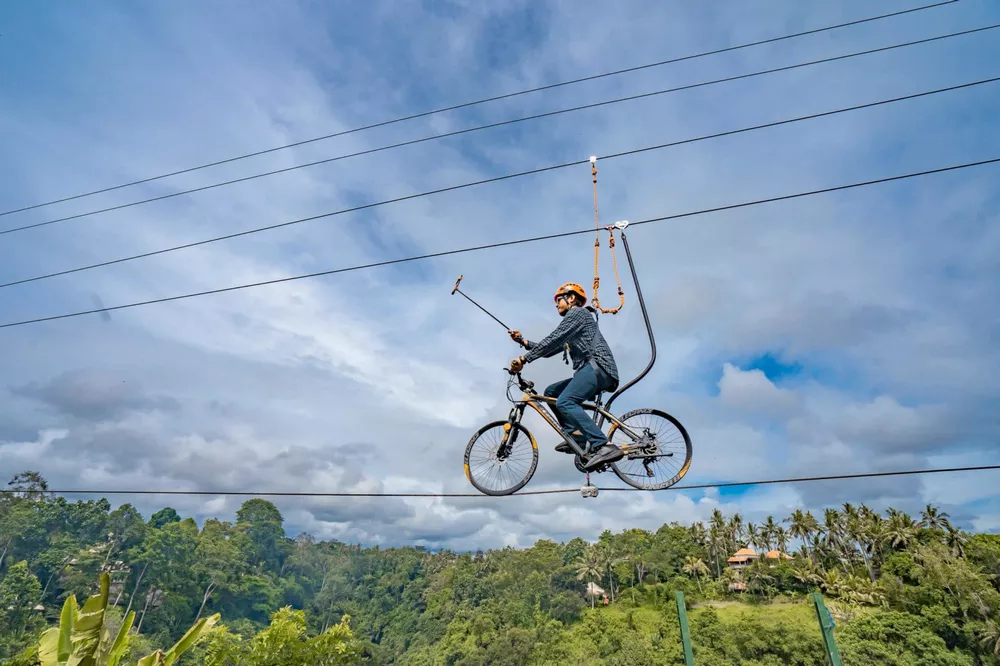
522 383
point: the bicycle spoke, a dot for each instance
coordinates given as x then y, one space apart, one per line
658 437
496 474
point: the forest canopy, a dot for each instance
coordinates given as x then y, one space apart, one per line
901 589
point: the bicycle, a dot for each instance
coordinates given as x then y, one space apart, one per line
642 448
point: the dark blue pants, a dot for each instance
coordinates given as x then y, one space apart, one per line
569 393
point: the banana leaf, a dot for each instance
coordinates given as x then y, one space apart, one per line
190 638
155 659
55 645
86 636
120 645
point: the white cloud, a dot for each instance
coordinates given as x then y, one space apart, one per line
376 379
752 391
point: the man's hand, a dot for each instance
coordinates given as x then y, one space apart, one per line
517 365
516 336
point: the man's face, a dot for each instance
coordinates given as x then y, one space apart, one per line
562 304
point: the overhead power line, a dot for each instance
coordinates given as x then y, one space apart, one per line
483 101
555 491
487 246
343 211
478 128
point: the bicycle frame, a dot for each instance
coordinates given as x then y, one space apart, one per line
535 401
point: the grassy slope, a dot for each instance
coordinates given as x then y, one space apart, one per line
647 634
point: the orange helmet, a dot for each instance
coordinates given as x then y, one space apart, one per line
571 288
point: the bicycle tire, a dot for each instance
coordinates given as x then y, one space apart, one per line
527 476
687 448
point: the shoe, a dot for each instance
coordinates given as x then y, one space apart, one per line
605 455
563 447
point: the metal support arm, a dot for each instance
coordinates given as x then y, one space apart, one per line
649 327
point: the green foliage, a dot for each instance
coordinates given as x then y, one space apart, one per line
20 596
900 590
284 643
83 637
896 639
163 517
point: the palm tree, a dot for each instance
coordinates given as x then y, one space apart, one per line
781 538
589 568
803 524
854 533
818 548
990 637
955 540
758 577
698 534
753 536
769 531
736 530
831 582
609 557
876 526
718 521
729 577
857 591
695 568
718 544
806 572
716 547
934 519
833 536
901 530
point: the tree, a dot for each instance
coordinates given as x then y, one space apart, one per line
696 568
216 559
956 540
933 518
901 530
802 526
261 523
589 568
30 486
414 607
769 532
20 616
989 637
163 517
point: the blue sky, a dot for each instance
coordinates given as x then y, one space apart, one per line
854 331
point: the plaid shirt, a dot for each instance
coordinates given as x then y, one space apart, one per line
578 330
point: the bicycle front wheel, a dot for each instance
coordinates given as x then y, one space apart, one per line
500 458
659 458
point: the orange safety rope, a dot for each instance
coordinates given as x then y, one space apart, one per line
597 249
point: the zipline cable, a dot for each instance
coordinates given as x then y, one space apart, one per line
482 101
564 234
555 491
494 179
468 130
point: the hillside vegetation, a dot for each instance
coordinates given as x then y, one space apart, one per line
902 590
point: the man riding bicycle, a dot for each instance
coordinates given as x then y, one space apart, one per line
594 371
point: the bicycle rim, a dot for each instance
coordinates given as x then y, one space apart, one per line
492 476
653 473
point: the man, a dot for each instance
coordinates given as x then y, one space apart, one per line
594 371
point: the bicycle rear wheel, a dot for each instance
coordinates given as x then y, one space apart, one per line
660 458
496 465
